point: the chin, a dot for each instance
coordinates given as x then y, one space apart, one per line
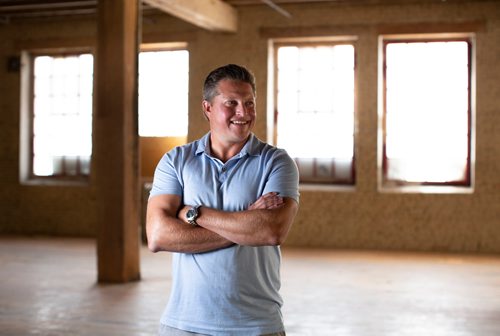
241 137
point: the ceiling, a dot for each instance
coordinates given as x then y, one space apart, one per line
15 10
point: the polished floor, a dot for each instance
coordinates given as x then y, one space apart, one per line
48 287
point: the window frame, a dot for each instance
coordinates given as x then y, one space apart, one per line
27 105
395 185
274 45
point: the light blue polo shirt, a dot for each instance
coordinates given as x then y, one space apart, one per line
231 291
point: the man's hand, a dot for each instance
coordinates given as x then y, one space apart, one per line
271 200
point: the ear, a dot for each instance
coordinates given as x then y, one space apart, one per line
207 109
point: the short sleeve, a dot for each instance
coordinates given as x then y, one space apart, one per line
284 177
167 179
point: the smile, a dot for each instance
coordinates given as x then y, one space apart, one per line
239 122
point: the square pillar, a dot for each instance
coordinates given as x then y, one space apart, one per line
115 141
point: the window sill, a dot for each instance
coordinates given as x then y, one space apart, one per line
326 187
426 189
46 182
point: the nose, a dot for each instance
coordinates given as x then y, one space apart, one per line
241 109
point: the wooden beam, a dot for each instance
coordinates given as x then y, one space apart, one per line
432 27
115 141
213 15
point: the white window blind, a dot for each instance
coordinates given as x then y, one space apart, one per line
315 110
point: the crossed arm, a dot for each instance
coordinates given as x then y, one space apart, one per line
266 222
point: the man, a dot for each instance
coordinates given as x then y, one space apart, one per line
224 204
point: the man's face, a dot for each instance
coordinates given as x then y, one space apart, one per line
232 112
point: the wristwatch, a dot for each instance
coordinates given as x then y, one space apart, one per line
192 214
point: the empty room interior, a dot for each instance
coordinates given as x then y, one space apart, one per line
389 108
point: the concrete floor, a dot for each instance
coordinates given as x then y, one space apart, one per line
48 287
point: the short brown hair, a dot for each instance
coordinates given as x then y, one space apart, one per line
230 71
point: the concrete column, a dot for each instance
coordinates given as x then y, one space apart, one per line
115 141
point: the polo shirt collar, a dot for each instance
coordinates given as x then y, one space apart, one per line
251 147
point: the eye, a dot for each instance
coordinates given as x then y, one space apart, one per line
231 103
250 103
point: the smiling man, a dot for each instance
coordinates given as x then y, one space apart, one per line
223 204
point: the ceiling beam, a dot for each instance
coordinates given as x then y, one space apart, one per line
213 15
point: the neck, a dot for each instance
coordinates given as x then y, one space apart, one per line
225 151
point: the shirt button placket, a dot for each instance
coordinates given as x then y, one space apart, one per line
222 175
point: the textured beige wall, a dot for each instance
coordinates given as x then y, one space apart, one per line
151 150
359 218
37 209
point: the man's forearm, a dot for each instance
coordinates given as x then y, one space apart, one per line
181 237
165 232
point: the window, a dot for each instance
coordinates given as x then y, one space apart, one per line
59 92
57 102
163 93
427 112
315 102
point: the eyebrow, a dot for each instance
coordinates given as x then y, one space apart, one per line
232 97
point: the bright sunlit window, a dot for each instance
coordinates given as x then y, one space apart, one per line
163 93
427 115
62 115
315 109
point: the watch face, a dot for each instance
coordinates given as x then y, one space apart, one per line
191 214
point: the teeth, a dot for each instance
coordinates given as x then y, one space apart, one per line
239 122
